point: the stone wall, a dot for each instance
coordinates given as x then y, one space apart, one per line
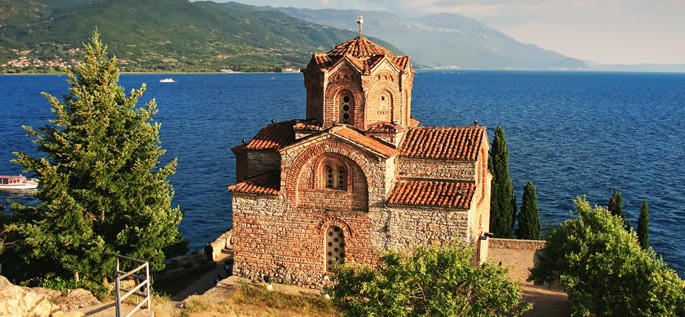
437 169
288 244
262 161
409 227
518 255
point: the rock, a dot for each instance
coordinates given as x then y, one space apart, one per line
19 301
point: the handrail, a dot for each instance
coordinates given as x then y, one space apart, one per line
146 293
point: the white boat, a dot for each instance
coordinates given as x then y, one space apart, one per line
17 182
167 80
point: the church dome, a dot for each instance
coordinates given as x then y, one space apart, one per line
359 47
360 51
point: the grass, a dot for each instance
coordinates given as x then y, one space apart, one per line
250 300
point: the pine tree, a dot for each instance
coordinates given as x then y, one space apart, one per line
643 226
103 191
529 217
502 200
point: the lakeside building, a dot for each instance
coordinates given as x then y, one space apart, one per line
360 175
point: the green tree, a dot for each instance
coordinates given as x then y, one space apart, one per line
615 205
643 226
502 201
604 269
103 189
529 217
427 282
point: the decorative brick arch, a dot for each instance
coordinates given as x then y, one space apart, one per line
296 171
377 89
325 223
332 159
334 93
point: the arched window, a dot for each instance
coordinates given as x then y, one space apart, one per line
335 247
336 177
346 105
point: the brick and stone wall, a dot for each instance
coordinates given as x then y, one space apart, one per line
288 244
436 169
262 161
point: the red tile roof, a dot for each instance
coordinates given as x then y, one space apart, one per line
361 52
433 194
273 137
359 47
365 141
453 143
265 184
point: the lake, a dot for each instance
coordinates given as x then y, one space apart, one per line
570 133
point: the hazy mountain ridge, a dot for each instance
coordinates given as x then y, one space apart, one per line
454 41
444 40
160 35
179 35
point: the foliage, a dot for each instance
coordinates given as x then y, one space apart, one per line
502 201
529 217
102 191
165 35
615 205
427 282
643 226
604 269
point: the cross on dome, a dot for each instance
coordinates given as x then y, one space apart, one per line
360 21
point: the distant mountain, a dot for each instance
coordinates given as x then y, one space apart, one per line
160 35
444 40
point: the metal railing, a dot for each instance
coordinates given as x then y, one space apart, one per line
142 288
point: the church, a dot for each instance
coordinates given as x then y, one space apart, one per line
357 176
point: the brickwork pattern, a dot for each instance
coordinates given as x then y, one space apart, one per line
437 169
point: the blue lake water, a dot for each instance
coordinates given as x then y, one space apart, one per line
571 133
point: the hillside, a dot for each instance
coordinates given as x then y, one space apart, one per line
445 40
159 35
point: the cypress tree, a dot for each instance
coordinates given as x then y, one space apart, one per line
643 226
102 191
502 201
615 207
529 217
615 204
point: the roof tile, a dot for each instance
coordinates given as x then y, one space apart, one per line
265 184
361 52
433 194
366 141
273 137
452 143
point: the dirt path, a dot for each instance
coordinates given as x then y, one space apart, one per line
207 281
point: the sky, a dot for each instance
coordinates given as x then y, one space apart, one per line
604 31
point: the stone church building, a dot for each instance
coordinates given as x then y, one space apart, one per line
358 176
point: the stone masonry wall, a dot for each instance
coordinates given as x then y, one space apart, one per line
289 244
409 227
262 161
436 169
518 255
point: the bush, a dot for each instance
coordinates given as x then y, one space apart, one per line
427 282
604 269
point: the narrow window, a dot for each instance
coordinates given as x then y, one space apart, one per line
345 108
335 177
329 177
335 247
